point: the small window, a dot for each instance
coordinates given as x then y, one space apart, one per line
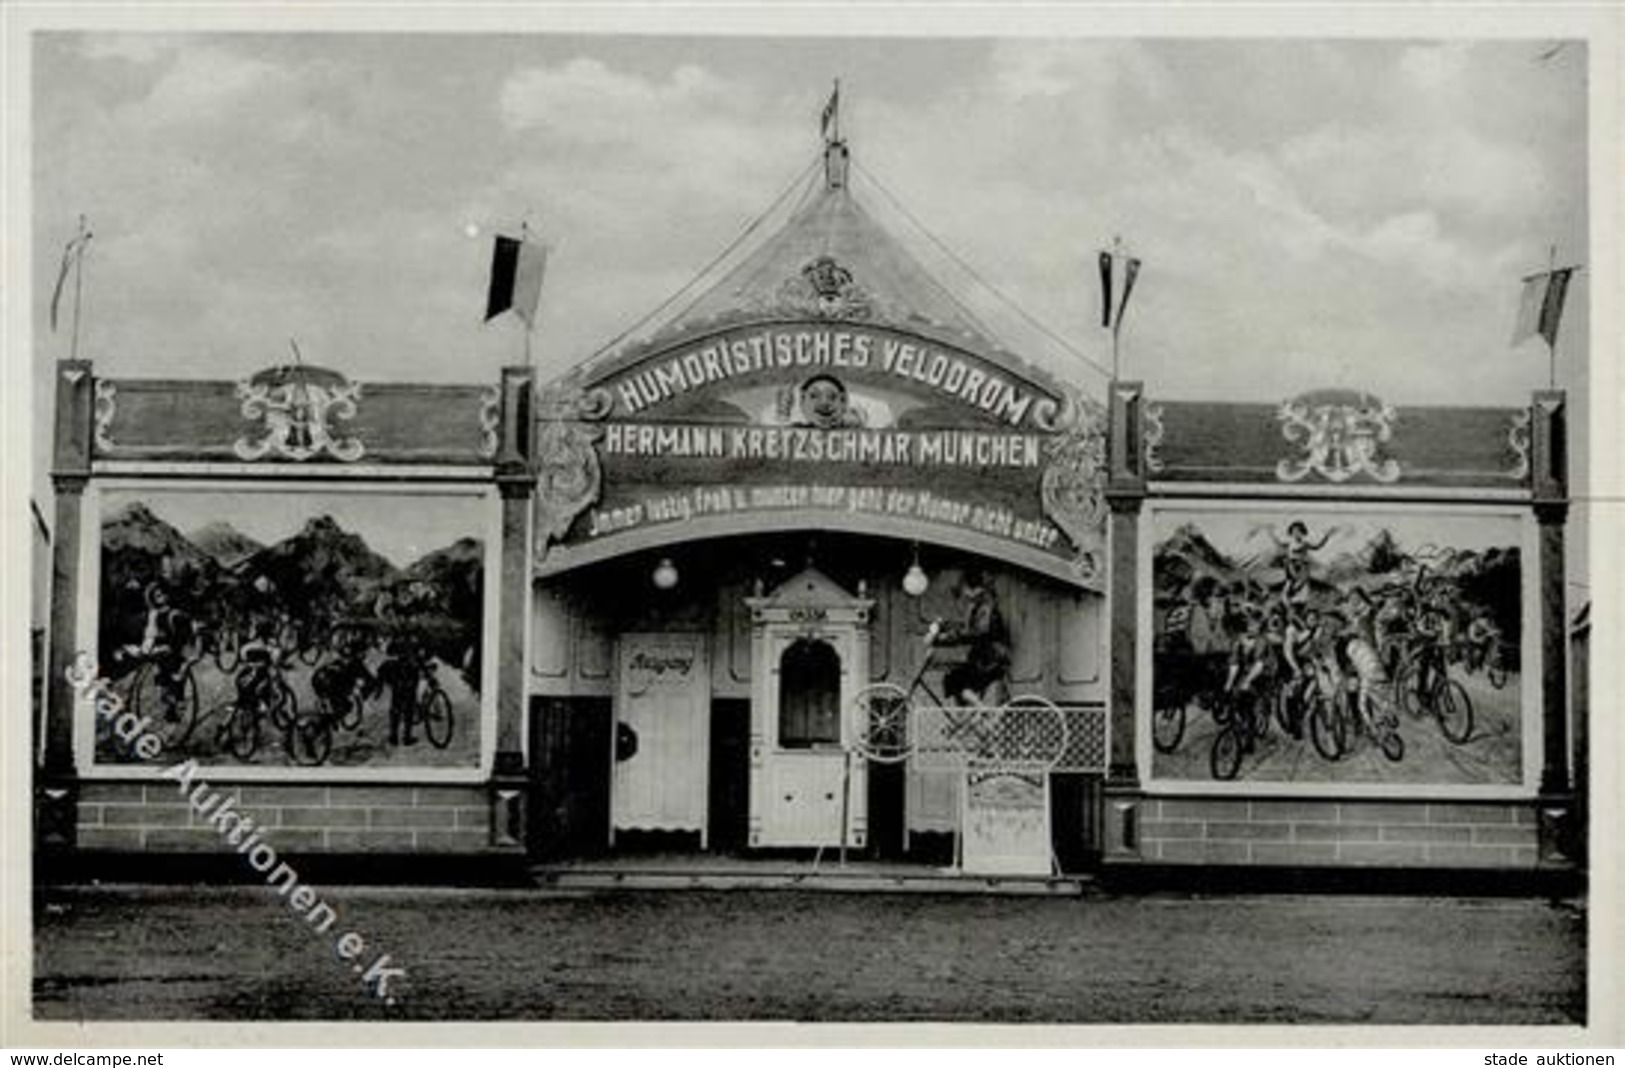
809 695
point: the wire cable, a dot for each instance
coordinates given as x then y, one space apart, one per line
811 182
706 270
1031 320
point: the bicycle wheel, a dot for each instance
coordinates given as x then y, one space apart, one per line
437 721
1032 730
1327 730
883 734
1168 728
309 739
1261 713
1404 690
283 706
1282 700
1225 758
351 719
239 732
1454 710
170 711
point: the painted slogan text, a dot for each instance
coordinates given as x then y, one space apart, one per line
699 502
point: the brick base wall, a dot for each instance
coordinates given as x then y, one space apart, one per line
154 817
1338 833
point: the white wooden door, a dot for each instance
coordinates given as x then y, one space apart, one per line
663 709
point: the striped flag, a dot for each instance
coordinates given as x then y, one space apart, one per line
1131 271
517 268
1540 307
1105 289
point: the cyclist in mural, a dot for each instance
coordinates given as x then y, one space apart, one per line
1298 655
401 671
345 682
165 635
984 677
1296 551
262 657
1480 641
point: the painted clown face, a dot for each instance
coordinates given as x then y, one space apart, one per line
823 400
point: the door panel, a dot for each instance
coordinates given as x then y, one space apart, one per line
663 742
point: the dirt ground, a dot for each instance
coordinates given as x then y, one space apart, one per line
168 954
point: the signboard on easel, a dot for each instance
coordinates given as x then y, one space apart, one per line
1005 824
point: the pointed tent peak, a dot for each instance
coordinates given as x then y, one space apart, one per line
832 260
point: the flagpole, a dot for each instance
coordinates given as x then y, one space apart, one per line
530 325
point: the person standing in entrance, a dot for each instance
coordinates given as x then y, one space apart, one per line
984 676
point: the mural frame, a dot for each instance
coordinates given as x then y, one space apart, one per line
1529 683
485 504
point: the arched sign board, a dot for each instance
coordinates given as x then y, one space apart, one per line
818 424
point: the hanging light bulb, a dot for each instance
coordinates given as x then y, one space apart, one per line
665 574
915 580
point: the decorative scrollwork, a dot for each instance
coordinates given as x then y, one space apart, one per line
1073 485
1339 440
297 406
1152 437
568 476
106 409
823 289
1518 442
572 401
490 420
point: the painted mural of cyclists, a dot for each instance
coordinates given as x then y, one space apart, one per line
1330 647
282 629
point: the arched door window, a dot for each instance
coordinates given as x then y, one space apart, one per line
809 695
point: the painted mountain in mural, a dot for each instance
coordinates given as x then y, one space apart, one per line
142 553
323 568
456 577
138 543
1186 555
322 574
228 545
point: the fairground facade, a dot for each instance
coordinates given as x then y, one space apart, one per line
818 568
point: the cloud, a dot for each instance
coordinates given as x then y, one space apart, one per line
202 85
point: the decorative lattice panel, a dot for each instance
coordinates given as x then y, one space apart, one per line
1029 734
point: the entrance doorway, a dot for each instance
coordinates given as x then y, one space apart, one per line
662 738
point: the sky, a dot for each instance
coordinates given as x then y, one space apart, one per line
1309 212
